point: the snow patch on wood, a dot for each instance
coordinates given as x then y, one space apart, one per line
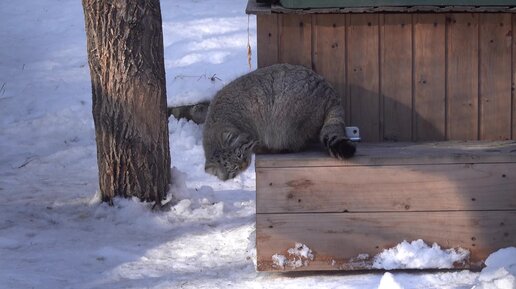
298 256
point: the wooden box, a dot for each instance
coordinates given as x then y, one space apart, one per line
457 194
405 73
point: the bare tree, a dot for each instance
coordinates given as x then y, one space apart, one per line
125 52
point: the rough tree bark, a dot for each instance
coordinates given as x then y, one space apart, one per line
125 53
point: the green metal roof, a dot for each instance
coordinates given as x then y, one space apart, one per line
306 4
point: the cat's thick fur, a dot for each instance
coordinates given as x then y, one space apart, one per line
278 108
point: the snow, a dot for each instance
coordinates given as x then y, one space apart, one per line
279 260
500 270
388 282
301 251
205 47
54 232
418 255
298 256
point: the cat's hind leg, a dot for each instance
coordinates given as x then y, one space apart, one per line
333 134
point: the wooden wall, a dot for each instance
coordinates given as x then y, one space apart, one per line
407 77
456 194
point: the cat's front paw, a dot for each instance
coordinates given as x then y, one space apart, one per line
341 148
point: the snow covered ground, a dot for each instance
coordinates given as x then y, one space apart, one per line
53 231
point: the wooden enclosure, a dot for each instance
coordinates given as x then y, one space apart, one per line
453 193
406 76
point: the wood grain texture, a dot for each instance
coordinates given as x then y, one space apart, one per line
363 74
383 70
125 56
513 85
267 39
495 76
329 52
295 39
386 188
462 82
451 152
337 239
429 76
396 76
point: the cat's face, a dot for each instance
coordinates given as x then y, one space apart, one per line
226 164
232 158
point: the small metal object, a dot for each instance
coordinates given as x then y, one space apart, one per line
353 133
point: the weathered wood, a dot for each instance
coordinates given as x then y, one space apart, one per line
267 39
436 77
399 154
432 187
125 53
396 76
295 39
336 239
462 77
390 9
495 76
457 194
429 77
450 97
363 74
329 52
513 84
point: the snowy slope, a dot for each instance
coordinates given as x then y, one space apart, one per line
53 231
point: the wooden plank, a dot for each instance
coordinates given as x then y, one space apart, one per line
462 73
386 188
329 52
399 154
337 239
396 76
495 76
363 74
267 39
429 76
275 8
295 39
513 86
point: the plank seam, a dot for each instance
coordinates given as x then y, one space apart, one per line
447 22
279 26
381 212
479 82
413 99
313 39
381 105
346 56
389 165
512 78
277 17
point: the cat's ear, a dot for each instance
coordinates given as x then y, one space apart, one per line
249 144
235 139
229 137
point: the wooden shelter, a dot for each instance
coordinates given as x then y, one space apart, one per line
405 75
407 71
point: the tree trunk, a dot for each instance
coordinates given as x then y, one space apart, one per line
125 52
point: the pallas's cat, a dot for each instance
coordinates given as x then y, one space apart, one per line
280 108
